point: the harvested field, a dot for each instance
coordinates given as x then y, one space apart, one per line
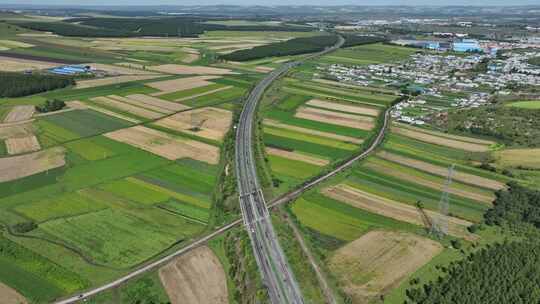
166 145
9 64
211 123
16 130
76 104
297 156
127 107
392 209
336 118
10 296
19 113
156 102
441 140
205 93
174 85
446 135
142 105
441 171
179 69
91 83
16 167
343 107
196 278
528 158
278 124
263 69
379 261
20 145
118 70
468 193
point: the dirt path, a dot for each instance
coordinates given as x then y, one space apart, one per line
327 291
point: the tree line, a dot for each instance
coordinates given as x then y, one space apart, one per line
138 27
294 46
20 84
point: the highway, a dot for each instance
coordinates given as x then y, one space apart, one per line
275 271
251 215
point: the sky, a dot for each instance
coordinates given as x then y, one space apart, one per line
272 2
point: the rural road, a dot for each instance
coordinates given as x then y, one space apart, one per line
246 201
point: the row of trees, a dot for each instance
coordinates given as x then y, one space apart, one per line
135 27
294 46
352 40
19 84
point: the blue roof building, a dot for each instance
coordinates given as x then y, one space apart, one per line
467 45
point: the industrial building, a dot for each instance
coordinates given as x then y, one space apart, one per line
70 70
467 45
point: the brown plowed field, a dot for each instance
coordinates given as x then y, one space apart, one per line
150 100
20 145
10 296
91 83
16 130
166 145
16 167
379 261
195 278
19 113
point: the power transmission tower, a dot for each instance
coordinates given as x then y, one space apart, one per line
439 226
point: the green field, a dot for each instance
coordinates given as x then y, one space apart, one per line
67 126
339 220
530 104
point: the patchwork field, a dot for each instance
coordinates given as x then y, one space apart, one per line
196 277
336 118
166 145
379 261
211 123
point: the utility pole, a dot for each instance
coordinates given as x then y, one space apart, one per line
439 226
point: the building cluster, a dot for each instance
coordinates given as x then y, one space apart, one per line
442 81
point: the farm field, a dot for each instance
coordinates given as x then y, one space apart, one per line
305 132
527 104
